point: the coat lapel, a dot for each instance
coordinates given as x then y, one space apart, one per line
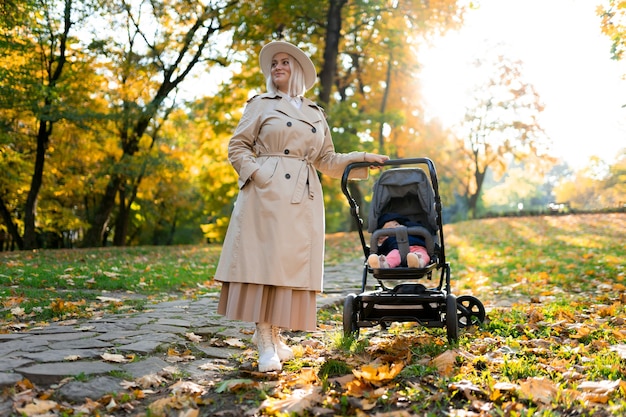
309 112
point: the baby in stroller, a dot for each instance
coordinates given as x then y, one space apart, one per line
388 254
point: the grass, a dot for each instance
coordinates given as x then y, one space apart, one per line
550 257
553 288
64 284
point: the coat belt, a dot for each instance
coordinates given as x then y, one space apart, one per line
306 170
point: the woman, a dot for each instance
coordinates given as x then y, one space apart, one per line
271 265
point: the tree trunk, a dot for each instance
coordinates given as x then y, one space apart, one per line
95 234
122 220
12 228
45 130
472 200
170 237
383 105
30 211
331 50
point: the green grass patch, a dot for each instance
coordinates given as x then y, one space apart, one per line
63 284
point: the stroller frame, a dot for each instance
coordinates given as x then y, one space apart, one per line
434 307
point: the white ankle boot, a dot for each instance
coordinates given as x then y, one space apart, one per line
283 350
268 357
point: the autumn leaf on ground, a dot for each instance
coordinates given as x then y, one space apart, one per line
234 342
470 390
445 362
598 391
169 371
399 413
87 408
216 365
193 337
108 299
174 355
357 388
37 407
539 390
581 331
187 387
620 349
502 387
149 381
233 385
378 373
296 402
18 312
163 406
114 357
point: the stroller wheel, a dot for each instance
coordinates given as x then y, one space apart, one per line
470 311
452 323
350 325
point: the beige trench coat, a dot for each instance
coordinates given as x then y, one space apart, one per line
276 231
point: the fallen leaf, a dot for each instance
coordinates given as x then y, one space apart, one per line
187 387
150 380
235 342
469 389
112 405
18 311
87 408
71 358
212 366
357 388
114 357
37 407
620 349
378 374
298 401
174 356
581 331
235 384
108 299
599 387
445 362
193 337
539 390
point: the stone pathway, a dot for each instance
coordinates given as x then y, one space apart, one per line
46 355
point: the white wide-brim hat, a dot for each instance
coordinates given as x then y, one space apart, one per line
274 47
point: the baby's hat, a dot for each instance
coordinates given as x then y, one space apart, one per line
387 217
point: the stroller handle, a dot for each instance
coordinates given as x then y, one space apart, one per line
391 162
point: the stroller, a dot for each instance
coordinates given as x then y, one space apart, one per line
398 295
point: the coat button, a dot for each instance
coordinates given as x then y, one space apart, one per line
286 152
314 130
287 176
289 124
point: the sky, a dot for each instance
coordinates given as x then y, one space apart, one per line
564 55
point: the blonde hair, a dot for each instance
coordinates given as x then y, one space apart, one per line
296 87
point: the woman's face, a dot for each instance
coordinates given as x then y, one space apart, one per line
281 71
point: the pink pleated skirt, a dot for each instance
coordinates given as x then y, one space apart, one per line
284 307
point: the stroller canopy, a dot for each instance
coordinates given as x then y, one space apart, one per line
406 191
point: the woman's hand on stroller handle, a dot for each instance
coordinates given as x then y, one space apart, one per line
376 159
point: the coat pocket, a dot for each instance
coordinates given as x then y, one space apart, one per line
264 175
